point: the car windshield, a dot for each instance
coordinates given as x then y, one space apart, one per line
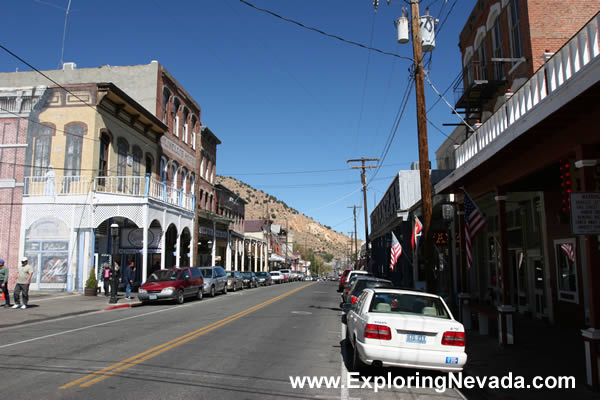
404 303
261 274
206 272
164 275
368 283
275 273
246 275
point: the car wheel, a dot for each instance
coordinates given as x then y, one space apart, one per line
357 364
212 291
180 299
234 287
200 295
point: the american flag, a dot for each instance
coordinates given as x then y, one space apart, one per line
416 234
568 249
395 252
474 222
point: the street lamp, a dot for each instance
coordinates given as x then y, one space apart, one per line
114 233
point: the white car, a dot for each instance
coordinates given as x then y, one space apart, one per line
404 328
276 276
354 273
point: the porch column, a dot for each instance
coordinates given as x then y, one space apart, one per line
586 163
235 255
178 250
228 252
145 245
213 250
255 256
163 241
505 310
266 263
243 254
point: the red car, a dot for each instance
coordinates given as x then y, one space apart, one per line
172 284
343 280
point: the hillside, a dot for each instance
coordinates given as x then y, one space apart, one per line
307 232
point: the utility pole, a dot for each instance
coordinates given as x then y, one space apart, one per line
363 178
352 248
355 230
287 232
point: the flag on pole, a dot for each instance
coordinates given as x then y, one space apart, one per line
568 249
474 223
395 252
416 234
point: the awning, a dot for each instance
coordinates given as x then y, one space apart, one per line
276 257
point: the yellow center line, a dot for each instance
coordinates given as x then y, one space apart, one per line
104 373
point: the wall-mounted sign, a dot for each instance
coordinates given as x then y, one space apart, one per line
585 213
176 150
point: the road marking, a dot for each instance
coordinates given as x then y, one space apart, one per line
111 370
344 389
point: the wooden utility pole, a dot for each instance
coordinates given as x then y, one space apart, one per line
355 231
363 177
421 119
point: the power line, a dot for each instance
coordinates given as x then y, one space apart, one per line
324 33
300 172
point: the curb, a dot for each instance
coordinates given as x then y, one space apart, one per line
130 305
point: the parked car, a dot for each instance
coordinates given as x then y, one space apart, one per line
249 279
234 281
287 275
352 278
172 284
276 276
343 280
360 283
404 328
215 280
264 279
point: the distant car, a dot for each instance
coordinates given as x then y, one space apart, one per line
235 281
364 282
249 279
172 284
351 279
276 276
264 279
215 280
404 328
286 273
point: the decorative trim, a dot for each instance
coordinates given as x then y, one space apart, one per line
493 14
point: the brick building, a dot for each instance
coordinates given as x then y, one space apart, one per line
528 166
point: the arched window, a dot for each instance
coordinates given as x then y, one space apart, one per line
103 156
149 163
74 133
175 112
184 179
193 183
165 104
174 177
201 172
137 161
186 113
163 169
193 129
122 148
41 149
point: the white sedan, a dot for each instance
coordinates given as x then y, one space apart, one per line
404 328
276 276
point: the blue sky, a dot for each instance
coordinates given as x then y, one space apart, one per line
290 105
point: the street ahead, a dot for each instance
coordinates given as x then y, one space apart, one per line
242 345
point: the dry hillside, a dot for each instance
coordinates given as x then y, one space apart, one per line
307 231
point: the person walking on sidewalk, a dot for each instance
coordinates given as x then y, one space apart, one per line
128 276
4 282
24 274
106 277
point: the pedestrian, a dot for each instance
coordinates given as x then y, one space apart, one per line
24 274
106 277
4 282
128 276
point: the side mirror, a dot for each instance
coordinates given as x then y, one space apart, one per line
346 307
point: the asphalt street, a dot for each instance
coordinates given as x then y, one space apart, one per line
242 345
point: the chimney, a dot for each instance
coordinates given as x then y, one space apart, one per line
69 66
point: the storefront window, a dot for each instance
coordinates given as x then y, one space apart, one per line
566 268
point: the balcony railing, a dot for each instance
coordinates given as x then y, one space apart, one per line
562 67
136 186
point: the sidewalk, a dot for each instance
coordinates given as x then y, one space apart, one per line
44 306
541 349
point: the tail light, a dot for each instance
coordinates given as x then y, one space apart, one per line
454 339
354 298
381 332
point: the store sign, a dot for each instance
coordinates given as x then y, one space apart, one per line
203 231
585 213
175 150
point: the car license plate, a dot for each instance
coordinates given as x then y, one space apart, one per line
152 297
451 360
412 338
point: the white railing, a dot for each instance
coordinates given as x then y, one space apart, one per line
51 185
579 51
127 185
122 185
